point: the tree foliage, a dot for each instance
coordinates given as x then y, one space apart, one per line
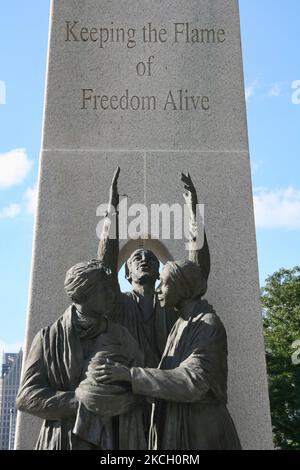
281 316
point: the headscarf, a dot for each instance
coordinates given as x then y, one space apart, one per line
82 279
188 278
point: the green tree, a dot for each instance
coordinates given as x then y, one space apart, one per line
281 316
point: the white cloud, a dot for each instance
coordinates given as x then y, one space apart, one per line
250 90
30 198
27 206
277 209
275 90
10 211
9 347
14 167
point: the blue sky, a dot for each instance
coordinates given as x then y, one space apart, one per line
271 44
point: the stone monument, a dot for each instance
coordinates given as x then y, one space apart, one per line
156 87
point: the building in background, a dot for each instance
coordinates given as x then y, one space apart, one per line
9 386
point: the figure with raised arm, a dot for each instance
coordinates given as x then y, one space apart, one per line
189 387
139 310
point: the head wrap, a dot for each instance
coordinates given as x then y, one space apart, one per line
82 279
188 278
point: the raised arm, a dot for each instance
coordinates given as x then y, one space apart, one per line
108 249
198 252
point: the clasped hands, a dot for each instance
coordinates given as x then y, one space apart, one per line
110 372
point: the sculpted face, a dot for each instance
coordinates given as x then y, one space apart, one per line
167 292
102 300
143 266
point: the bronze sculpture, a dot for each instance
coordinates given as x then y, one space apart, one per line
57 363
90 373
139 310
190 384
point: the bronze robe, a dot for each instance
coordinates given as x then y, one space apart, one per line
150 333
190 386
54 368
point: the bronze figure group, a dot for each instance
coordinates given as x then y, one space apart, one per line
133 371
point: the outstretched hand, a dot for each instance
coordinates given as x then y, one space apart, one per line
190 194
113 192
